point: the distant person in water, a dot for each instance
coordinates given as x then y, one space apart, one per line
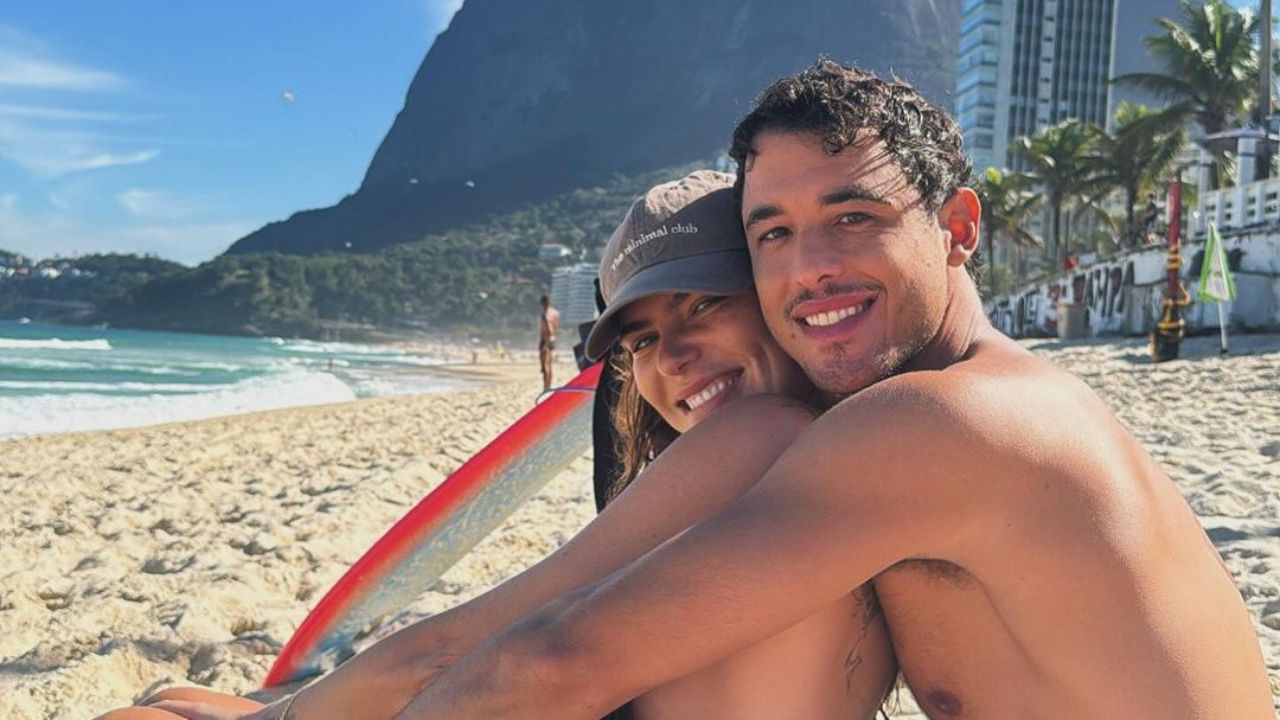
548 325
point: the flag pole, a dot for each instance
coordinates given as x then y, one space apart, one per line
1216 283
1171 327
1222 325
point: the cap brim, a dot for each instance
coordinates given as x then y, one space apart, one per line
723 273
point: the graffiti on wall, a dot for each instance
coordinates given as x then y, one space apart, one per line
1123 295
1106 289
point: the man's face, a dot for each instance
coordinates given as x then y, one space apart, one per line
851 269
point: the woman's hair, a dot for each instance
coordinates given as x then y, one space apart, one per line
640 433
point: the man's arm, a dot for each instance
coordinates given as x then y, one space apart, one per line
673 494
864 487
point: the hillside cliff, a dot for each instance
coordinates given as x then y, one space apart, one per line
519 101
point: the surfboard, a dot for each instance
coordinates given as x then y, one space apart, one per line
442 528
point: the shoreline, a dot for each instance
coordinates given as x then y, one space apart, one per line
54 385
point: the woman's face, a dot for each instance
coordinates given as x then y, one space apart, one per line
691 353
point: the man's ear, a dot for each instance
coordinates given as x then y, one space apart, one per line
961 216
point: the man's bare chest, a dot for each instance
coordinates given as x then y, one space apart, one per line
953 649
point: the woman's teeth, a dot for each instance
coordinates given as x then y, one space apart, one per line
705 395
831 318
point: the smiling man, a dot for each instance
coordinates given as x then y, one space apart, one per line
1032 560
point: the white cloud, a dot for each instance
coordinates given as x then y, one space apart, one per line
32 72
48 130
158 204
38 112
50 152
95 161
27 62
50 140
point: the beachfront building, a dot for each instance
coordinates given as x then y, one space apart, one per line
573 293
1024 65
1135 21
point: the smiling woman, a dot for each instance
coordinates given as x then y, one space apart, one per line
677 281
682 357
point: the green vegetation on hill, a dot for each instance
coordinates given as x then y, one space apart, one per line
485 276
73 289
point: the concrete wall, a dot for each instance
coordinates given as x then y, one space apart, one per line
1124 293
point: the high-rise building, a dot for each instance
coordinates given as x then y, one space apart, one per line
1025 64
1137 20
573 293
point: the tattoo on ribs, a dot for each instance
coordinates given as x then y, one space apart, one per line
869 609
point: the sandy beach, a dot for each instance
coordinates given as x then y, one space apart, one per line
187 553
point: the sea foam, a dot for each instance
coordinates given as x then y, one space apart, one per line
79 411
54 344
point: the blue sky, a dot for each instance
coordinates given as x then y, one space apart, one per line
175 128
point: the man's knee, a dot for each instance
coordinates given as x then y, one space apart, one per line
202 695
177 693
137 713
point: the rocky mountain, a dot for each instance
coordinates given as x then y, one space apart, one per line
521 100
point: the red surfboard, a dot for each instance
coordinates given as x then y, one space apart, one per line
442 528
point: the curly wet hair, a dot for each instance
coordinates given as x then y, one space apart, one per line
837 102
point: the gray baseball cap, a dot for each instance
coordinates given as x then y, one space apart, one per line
681 236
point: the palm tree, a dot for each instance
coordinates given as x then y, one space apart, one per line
1059 160
1210 66
1135 156
1006 203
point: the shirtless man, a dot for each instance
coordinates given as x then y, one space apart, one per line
1031 558
548 325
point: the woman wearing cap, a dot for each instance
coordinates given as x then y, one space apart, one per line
685 334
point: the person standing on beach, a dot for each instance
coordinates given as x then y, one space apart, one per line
548 325
1032 560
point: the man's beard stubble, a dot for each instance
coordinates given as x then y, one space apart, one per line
839 375
842 376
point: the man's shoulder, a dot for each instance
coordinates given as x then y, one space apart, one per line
961 394
971 415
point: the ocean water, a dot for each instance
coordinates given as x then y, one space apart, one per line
56 378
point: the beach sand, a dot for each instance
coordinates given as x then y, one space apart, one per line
187 553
